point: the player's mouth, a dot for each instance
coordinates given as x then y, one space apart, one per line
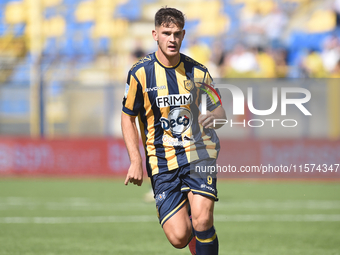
172 47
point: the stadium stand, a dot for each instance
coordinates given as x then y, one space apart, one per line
76 28
92 41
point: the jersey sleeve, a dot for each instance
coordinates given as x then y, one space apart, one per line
133 96
213 100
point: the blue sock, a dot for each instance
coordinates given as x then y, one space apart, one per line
206 242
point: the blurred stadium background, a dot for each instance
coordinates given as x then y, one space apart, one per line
63 65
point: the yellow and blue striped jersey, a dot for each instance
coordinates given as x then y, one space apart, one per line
167 101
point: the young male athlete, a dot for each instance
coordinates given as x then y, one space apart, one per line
164 89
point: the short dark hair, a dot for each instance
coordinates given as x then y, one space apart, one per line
166 15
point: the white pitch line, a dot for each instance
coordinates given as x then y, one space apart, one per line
281 205
279 217
88 205
153 218
90 219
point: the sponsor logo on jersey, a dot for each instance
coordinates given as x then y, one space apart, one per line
155 88
178 121
174 100
168 140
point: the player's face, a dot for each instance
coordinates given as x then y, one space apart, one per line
169 40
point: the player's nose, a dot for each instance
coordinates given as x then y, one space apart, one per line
172 38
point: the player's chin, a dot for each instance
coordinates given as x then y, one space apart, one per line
172 53
172 50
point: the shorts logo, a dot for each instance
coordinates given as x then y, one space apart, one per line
203 186
160 197
174 100
178 121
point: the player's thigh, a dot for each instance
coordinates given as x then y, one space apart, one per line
168 196
202 193
202 211
200 182
172 207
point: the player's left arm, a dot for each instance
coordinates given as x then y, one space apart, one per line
207 120
213 112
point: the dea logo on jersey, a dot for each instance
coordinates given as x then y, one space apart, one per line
178 121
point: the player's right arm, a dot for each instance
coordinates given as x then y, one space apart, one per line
130 134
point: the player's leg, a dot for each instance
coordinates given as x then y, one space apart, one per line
202 209
172 208
202 194
192 243
178 228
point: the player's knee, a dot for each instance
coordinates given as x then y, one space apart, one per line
202 222
179 240
179 244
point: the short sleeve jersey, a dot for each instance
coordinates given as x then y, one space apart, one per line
167 101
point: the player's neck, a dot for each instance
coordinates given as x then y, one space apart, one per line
167 61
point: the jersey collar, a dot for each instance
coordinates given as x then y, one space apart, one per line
165 65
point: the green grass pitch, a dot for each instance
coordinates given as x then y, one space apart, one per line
68 217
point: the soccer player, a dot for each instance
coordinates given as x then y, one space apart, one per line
164 89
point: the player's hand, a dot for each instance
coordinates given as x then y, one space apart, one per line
206 120
135 174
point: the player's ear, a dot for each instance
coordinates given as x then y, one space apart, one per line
155 35
183 34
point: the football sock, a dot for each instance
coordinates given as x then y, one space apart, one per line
206 242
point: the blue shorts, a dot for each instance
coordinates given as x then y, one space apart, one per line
171 188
